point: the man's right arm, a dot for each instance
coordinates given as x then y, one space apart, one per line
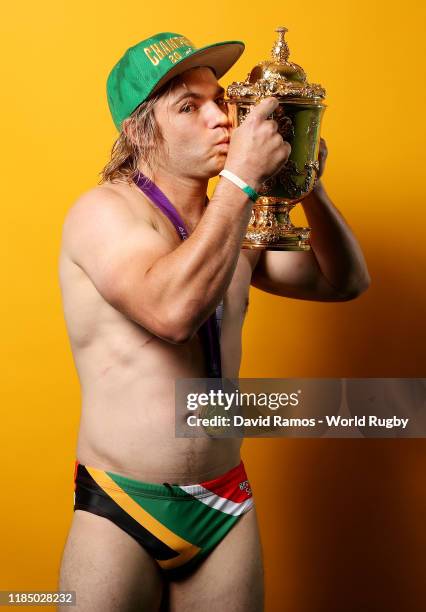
171 291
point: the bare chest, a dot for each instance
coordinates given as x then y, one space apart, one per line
102 338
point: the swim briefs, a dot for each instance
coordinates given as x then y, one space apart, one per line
178 525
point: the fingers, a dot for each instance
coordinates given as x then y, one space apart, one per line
257 147
285 149
264 108
323 151
273 124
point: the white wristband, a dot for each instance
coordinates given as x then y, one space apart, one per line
252 194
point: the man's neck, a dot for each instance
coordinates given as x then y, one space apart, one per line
187 195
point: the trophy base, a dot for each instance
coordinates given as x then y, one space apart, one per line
270 227
294 239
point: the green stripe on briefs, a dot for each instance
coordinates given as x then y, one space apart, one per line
185 516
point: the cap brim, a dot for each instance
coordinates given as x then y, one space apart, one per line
220 56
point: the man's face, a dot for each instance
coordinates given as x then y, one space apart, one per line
194 122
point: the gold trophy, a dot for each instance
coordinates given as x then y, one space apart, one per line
299 117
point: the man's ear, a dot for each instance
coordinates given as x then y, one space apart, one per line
126 128
130 130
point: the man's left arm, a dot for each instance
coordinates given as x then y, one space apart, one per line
333 270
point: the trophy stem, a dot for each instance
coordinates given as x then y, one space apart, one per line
270 227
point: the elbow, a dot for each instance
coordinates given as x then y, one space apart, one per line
177 328
355 289
177 336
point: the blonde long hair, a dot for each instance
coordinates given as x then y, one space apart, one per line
140 139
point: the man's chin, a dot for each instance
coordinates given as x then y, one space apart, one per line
212 169
219 165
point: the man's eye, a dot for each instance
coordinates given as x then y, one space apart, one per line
187 108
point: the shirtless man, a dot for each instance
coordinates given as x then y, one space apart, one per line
136 292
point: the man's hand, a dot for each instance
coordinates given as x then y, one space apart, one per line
333 270
322 157
257 150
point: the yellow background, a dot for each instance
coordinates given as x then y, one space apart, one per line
339 518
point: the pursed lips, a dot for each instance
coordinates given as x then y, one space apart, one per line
225 139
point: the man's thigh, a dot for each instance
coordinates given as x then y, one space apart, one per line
231 578
107 568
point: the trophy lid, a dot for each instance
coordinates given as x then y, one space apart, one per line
276 77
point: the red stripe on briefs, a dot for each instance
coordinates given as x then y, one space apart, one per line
233 485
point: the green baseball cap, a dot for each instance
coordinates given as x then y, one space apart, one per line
147 66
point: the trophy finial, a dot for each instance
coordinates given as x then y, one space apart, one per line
280 51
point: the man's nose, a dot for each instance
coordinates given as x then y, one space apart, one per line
218 115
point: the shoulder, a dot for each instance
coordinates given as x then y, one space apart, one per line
108 209
107 199
108 203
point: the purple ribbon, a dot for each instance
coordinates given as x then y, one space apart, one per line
209 330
